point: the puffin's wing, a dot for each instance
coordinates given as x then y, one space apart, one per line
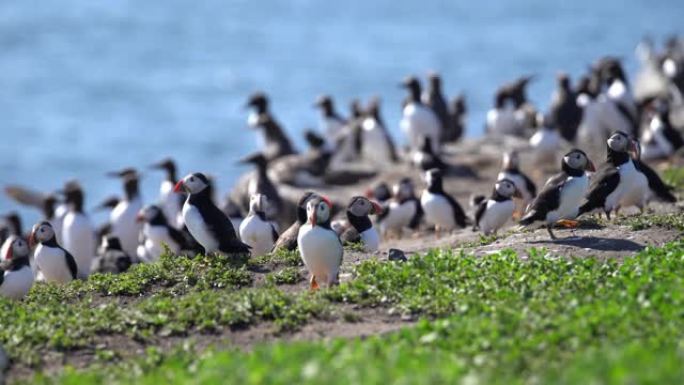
417 216
547 200
25 195
481 208
604 182
656 184
459 214
177 237
350 236
288 239
274 233
555 180
71 263
531 187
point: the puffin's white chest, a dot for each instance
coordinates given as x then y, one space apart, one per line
571 195
51 261
375 146
438 210
78 238
124 224
198 229
155 239
17 283
419 121
398 216
321 252
170 203
258 234
635 186
370 240
496 215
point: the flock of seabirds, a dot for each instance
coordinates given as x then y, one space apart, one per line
603 116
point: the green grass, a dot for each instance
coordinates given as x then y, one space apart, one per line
674 176
670 221
492 320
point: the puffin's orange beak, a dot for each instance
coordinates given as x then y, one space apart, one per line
178 187
31 240
590 166
377 209
10 253
140 217
312 219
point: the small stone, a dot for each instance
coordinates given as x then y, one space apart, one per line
397 255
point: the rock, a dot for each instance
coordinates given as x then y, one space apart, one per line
397 255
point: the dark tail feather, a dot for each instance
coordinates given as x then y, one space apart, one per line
667 196
531 217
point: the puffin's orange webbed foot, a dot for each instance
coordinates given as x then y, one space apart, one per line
313 285
568 223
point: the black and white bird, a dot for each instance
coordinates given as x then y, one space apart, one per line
657 189
157 234
403 211
545 142
207 224
376 142
661 139
381 192
565 114
617 181
501 119
511 171
562 194
16 276
332 124
9 231
441 209
319 245
308 169
434 98
493 213
288 239
274 141
53 262
170 202
425 159
458 113
78 232
256 230
419 120
123 216
111 257
259 182
360 228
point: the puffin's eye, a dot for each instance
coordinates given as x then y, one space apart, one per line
192 179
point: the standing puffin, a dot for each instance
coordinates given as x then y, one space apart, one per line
10 231
123 216
275 143
434 98
404 210
492 213
16 276
376 143
157 233
511 171
332 124
562 194
425 159
52 261
288 239
207 224
170 202
661 139
656 187
457 111
319 245
360 226
78 232
441 209
418 120
111 258
616 179
565 114
257 231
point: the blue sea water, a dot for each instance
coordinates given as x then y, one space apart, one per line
92 86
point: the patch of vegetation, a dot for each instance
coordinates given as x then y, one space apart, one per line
278 258
670 221
354 247
543 320
674 176
286 276
484 240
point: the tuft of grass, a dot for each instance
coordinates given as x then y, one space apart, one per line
670 221
674 176
286 276
354 247
277 258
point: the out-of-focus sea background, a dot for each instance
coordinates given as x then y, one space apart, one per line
92 86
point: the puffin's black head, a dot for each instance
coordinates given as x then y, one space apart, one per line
325 103
73 195
458 105
151 214
517 90
361 206
588 85
319 211
576 162
257 159
130 178
193 183
620 142
563 81
314 140
43 233
301 205
14 223
610 69
167 165
381 192
18 248
500 98
506 188
404 189
373 108
412 84
433 178
258 101
111 242
435 81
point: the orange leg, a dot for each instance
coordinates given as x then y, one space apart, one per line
313 285
568 223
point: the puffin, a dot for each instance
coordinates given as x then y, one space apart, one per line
434 98
562 194
565 114
425 159
16 276
619 93
419 120
288 239
616 179
170 202
332 124
656 187
123 216
308 169
157 234
255 230
52 260
546 142
275 143
78 232
361 229
320 246
403 211
661 139
111 258
376 142
511 171
457 112
493 213
10 231
381 192
500 119
440 208
207 224
48 204
260 183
